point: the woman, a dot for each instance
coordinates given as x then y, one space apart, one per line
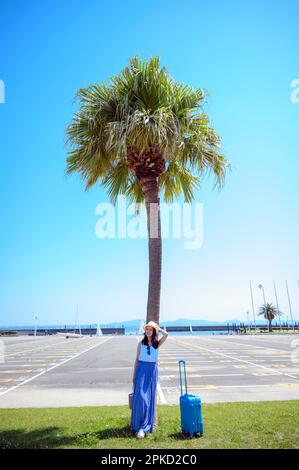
145 380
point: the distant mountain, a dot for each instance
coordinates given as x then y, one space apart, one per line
180 321
134 325
187 322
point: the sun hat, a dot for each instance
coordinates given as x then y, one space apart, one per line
152 324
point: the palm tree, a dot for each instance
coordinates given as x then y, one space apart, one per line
143 134
269 312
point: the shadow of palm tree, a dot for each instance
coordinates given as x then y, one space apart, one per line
20 439
109 433
53 437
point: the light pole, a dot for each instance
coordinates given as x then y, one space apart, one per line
35 324
252 303
277 306
248 324
77 309
290 307
260 286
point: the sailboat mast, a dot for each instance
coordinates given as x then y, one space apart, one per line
77 326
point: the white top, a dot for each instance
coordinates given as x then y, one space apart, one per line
144 356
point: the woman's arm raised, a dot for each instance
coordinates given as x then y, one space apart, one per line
164 337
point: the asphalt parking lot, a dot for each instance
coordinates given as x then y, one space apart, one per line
92 371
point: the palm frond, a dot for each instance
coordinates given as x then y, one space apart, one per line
269 311
143 107
176 180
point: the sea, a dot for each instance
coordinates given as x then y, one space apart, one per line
129 330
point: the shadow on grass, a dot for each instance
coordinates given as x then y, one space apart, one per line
112 433
20 439
179 436
54 437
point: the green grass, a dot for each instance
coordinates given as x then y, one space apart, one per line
227 425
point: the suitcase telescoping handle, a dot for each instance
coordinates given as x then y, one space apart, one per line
184 363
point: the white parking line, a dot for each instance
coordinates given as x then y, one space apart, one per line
193 361
43 348
215 340
247 386
220 375
233 358
169 377
53 367
285 342
161 394
216 387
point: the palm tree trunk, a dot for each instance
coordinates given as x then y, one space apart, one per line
270 326
149 185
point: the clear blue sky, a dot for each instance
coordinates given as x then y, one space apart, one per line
246 55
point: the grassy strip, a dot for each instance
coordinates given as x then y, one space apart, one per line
227 425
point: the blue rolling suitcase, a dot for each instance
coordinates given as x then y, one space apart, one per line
190 406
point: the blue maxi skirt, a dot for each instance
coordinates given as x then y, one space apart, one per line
144 394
